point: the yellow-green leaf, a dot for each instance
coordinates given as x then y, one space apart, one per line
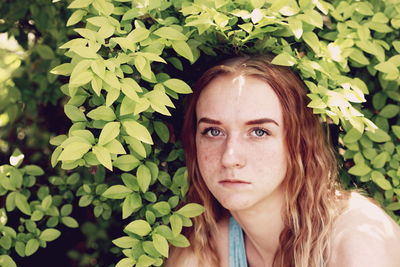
139 227
170 33
103 155
109 132
138 131
143 177
117 192
178 86
161 244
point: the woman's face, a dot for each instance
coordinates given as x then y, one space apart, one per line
239 140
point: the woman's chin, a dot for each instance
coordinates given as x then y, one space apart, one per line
235 204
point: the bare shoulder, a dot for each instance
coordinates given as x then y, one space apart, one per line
364 235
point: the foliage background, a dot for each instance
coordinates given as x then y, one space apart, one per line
91 105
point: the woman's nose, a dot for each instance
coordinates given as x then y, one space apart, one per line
233 156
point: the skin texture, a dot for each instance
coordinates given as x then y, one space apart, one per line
242 161
243 165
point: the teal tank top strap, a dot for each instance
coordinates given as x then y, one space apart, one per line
237 251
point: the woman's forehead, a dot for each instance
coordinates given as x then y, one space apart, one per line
238 97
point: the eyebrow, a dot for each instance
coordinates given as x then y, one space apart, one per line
252 122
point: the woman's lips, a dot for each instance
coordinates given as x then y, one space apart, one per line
233 182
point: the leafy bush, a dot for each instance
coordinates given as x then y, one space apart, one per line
122 67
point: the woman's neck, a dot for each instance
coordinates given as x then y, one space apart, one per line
262 225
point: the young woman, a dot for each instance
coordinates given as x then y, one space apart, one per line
258 160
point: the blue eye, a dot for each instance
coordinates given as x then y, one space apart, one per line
260 132
211 132
214 132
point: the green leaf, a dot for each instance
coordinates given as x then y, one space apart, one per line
44 51
115 147
139 227
138 35
85 200
358 56
313 17
66 210
364 8
103 156
110 132
178 86
5 242
176 224
103 7
98 67
70 222
97 85
161 244
387 67
126 162
284 59
396 130
136 145
378 136
130 87
7 261
84 77
143 175
143 66
130 181
180 241
125 242
162 131
21 201
396 45
359 170
393 206
80 3
138 131
74 113
352 136
33 170
63 69
296 26
126 262
162 208
380 180
380 160
183 49
31 247
102 113
46 202
49 234
145 260
15 178
20 248
312 40
191 210
117 192
132 203
390 111
76 17
111 79
74 151
37 215
170 33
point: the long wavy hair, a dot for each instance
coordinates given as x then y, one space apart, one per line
310 187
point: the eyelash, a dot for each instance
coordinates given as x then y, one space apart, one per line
206 131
